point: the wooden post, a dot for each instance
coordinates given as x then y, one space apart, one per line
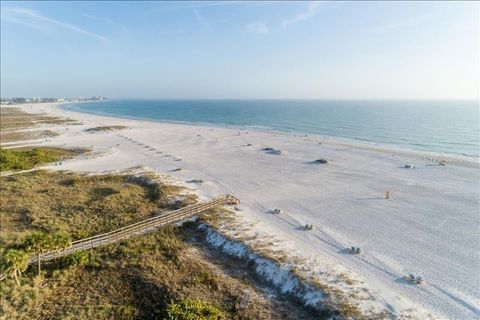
387 195
38 262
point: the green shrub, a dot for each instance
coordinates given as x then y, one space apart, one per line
27 159
193 310
13 263
40 242
206 278
124 312
78 258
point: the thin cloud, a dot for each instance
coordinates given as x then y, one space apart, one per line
258 27
197 5
311 11
105 20
89 16
200 19
7 18
31 18
203 22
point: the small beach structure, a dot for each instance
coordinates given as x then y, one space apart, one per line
308 227
196 181
272 150
413 279
355 250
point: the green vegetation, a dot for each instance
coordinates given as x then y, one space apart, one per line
80 205
78 258
28 158
160 275
41 242
105 128
193 310
13 263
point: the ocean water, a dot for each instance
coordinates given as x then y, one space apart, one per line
445 127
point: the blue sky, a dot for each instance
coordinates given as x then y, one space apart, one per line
238 49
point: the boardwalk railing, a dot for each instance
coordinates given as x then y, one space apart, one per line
136 228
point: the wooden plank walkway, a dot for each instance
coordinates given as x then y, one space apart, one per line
137 228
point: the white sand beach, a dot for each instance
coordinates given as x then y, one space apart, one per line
429 226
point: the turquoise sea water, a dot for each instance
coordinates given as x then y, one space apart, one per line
450 127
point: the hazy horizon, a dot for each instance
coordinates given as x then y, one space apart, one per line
241 50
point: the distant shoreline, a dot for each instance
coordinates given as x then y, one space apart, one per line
428 155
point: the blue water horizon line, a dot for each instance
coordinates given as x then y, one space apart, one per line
300 99
411 125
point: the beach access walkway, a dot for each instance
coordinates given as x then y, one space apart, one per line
137 228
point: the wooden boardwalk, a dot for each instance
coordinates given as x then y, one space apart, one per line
137 228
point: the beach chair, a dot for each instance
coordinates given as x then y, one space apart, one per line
355 250
413 279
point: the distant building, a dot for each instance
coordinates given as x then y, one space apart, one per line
20 100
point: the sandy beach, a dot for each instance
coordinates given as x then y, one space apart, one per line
429 226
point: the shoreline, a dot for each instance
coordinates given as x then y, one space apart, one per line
430 220
428 155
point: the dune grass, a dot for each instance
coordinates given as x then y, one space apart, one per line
105 128
160 275
28 157
14 136
12 118
82 205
